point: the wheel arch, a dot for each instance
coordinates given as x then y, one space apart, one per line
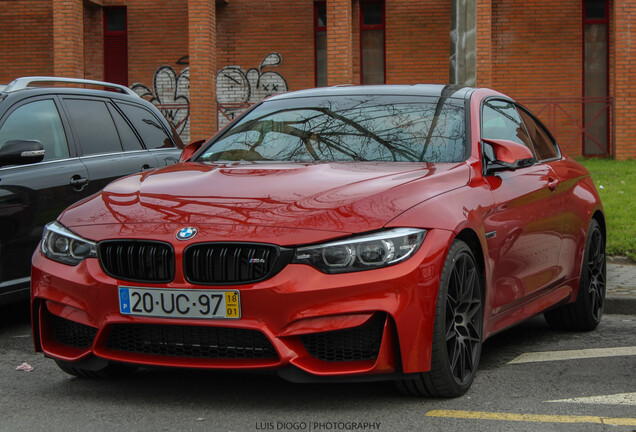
600 218
470 237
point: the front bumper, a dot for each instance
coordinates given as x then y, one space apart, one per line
364 323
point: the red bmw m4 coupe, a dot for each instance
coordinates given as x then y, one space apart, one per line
353 233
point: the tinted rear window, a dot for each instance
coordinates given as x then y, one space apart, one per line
94 126
148 126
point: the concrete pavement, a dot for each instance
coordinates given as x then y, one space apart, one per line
620 297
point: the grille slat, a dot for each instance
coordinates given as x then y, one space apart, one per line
142 261
214 263
190 341
353 344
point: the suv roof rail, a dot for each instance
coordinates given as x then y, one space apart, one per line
23 82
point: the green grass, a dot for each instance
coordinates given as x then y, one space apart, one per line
616 184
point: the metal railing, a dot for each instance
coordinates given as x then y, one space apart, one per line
571 120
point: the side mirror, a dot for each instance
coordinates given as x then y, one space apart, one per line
505 155
190 149
21 152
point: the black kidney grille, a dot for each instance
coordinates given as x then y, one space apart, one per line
71 333
191 341
353 344
142 261
210 263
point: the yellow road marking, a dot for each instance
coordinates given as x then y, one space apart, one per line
536 418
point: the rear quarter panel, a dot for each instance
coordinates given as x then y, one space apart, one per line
581 203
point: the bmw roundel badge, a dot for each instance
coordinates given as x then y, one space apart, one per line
186 233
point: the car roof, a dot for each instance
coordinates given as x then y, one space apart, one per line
434 90
24 86
44 90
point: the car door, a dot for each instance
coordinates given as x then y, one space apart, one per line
548 153
32 195
108 146
524 228
151 130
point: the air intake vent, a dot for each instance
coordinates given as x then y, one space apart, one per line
191 341
357 343
137 261
71 333
218 263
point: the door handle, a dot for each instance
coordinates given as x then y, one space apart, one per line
553 183
78 182
145 167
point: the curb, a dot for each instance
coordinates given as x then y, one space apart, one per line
620 260
620 305
620 297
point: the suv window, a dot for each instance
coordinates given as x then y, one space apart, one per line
94 136
128 138
500 120
546 148
39 120
148 126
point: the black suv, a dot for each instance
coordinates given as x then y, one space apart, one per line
60 144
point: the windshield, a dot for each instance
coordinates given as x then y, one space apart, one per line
346 128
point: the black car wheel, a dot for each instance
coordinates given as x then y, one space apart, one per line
457 336
585 314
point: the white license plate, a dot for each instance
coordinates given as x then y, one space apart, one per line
169 303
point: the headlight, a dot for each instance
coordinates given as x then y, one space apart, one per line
60 244
365 252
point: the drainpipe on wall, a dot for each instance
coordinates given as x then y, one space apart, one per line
463 42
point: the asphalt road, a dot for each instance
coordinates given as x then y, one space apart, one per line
505 396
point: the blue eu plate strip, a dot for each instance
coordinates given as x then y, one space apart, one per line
124 300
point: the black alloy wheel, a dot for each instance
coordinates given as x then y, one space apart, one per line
596 274
458 331
585 314
463 319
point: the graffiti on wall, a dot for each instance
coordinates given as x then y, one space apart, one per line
171 95
236 90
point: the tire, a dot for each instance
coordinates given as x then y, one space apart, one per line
458 330
585 314
109 371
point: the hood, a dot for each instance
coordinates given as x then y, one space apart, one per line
334 197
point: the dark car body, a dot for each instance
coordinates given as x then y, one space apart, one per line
90 137
350 232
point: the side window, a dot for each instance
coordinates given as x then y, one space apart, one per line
129 140
152 133
40 121
501 120
94 126
544 145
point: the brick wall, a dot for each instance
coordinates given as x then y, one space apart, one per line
417 42
68 38
525 49
484 43
157 35
339 42
624 89
202 44
26 38
263 48
537 51
249 30
93 42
